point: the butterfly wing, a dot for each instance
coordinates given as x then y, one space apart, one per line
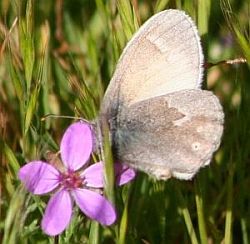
164 56
170 135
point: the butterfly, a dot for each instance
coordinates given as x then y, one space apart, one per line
161 121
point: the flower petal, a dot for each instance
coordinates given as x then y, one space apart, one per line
76 145
123 173
39 177
93 175
58 213
95 206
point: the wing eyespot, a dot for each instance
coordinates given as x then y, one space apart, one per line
196 146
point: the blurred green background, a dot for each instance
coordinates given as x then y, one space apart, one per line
58 57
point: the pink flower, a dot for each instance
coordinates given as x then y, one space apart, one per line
40 178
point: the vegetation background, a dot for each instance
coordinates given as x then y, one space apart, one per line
58 57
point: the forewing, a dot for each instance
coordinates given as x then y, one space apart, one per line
170 135
164 56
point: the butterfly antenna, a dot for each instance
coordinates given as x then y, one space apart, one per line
54 116
230 62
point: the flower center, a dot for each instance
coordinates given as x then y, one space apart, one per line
70 180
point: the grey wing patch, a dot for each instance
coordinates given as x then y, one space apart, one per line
170 135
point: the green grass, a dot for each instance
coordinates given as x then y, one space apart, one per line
58 57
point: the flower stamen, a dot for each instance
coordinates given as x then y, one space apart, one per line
70 180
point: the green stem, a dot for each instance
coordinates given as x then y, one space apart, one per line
107 156
228 222
123 225
187 217
243 223
94 233
200 211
